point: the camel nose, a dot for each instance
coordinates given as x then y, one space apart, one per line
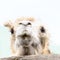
25 24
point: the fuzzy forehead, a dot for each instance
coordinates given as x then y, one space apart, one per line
25 19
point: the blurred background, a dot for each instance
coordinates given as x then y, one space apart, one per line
46 11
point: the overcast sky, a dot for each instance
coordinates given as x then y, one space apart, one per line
46 11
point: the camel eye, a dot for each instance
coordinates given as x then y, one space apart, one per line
42 29
12 31
29 23
20 23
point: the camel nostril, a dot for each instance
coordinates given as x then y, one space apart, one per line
29 23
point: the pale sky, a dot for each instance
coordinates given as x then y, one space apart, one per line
46 11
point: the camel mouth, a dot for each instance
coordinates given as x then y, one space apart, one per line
25 35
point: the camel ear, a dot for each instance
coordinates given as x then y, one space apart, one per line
10 26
